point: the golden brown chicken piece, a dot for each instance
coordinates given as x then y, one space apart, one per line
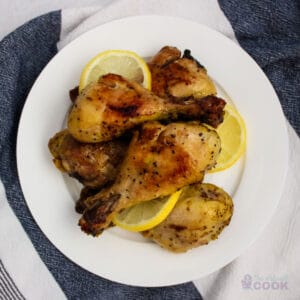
199 216
174 77
107 109
164 56
160 160
94 165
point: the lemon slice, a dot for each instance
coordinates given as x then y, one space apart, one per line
146 215
122 62
233 139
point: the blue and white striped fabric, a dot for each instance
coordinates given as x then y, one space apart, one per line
8 288
32 268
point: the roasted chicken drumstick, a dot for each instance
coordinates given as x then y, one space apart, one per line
199 216
110 107
160 160
94 165
176 77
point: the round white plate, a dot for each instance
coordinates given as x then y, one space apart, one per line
255 183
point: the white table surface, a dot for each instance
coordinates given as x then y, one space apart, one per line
14 13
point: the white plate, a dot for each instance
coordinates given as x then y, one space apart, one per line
255 183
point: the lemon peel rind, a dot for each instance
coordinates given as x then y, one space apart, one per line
242 149
160 217
147 82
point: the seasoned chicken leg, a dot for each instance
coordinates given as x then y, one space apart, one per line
107 109
199 216
94 165
160 160
176 78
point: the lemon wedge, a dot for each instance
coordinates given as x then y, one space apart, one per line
122 62
146 215
232 133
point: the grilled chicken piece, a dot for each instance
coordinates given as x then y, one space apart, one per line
107 109
160 160
199 216
85 193
164 56
175 78
94 165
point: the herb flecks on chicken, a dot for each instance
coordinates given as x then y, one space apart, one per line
160 160
199 216
94 165
114 105
176 77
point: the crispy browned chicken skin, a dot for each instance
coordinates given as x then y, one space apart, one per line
94 165
114 105
175 77
199 216
160 160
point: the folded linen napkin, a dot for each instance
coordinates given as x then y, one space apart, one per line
23 55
